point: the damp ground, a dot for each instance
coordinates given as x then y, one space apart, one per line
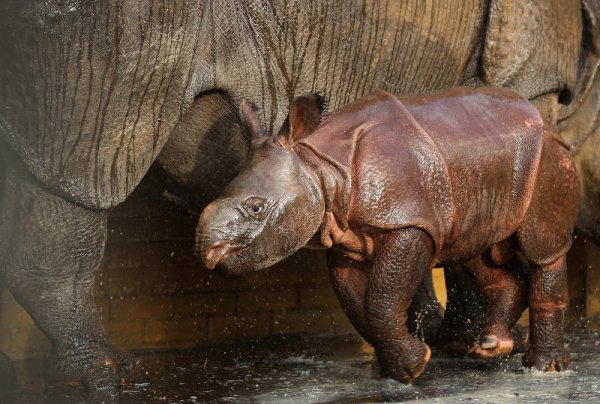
329 370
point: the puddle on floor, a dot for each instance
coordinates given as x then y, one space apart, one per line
329 370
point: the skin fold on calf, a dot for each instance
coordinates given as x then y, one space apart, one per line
394 186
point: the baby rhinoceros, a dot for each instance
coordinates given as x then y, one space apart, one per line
394 186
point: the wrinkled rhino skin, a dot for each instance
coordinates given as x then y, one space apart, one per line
94 93
393 186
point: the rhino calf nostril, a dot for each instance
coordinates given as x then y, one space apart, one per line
215 254
213 251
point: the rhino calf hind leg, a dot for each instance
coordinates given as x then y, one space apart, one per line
545 238
505 290
50 250
403 257
547 310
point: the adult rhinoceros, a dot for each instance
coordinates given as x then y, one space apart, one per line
92 91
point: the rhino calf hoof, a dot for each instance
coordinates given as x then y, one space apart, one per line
405 373
492 346
550 361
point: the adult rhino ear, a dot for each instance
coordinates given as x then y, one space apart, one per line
250 121
303 119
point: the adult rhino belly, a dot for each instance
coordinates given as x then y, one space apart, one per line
490 140
344 49
91 92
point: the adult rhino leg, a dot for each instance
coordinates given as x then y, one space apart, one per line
204 153
50 250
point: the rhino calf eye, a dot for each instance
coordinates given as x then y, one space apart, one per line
255 207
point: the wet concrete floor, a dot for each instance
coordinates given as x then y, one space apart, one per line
329 370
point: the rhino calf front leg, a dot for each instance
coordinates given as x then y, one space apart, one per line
349 279
50 250
402 259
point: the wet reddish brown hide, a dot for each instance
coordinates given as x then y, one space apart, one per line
461 176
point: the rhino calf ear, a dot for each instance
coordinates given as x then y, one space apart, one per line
304 117
250 121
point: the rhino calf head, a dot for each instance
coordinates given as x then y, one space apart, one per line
273 207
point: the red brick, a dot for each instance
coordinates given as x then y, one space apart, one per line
125 255
175 333
238 327
281 278
319 298
198 305
264 300
303 322
157 228
141 308
125 334
582 266
168 277
171 279
169 254
122 281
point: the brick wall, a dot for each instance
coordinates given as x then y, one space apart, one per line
153 294
584 281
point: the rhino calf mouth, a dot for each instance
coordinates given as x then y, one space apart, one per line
217 253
